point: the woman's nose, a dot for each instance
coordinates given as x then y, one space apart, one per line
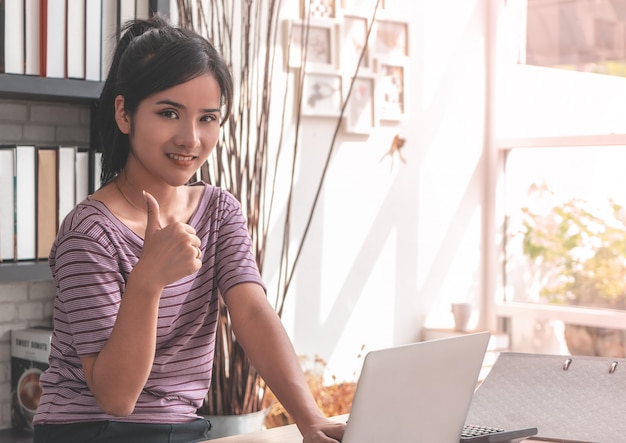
188 134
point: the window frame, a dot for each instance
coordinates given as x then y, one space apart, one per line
504 26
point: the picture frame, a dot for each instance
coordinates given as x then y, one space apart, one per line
322 94
311 45
353 33
391 38
318 9
391 91
360 112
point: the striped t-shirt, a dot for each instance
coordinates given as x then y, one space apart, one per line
90 260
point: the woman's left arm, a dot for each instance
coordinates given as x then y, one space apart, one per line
266 343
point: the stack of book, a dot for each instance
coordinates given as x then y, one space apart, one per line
40 185
63 38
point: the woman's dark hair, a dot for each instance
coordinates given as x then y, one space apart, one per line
151 56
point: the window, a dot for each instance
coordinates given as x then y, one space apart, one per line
562 191
580 35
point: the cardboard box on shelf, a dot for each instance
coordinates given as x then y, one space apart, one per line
30 349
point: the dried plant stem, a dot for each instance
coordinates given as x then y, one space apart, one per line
244 164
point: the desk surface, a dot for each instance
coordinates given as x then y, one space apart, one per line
282 434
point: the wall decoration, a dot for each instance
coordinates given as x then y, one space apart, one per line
360 110
322 94
353 39
312 45
391 39
318 8
390 91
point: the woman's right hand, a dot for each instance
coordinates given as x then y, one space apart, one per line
171 252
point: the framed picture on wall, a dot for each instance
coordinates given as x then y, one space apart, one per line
390 91
310 43
318 8
353 39
391 38
322 94
360 110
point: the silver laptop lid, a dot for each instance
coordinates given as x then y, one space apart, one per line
416 393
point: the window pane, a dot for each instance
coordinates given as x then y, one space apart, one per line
580 35
566 231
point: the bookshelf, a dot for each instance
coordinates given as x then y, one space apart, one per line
61 90
26 87
30 87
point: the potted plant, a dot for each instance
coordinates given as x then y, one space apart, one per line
578 253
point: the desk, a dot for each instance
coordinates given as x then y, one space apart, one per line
283 434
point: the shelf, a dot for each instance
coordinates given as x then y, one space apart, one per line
25 271
30 87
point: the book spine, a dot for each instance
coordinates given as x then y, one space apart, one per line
32 38
7 203
25 201
14 37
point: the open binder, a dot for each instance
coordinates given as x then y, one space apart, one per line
568 398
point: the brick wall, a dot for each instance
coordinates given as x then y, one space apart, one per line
28 304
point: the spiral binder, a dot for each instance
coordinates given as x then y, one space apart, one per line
568 398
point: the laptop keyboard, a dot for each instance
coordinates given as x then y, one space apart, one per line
488 434
475 431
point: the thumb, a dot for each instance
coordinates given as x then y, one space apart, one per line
153 225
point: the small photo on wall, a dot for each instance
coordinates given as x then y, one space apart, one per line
360 114
391 91
353 40
391 39
310 44
322 95
318 8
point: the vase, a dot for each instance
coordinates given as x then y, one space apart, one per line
462 313
227 425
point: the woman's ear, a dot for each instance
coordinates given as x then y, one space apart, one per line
121 116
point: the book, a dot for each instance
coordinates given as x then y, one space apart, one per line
7 203
43 36
32 38
14 37
25 203
93 40
30 349
66 173
47 199
2 14
55 49
82 174
75 38
97 170
126 10
109 36
142 9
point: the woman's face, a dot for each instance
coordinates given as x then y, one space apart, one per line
173 131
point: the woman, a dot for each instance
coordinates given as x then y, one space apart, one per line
138 265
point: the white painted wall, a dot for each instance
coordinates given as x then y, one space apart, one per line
393 243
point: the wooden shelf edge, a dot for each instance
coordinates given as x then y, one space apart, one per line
32 87
25 271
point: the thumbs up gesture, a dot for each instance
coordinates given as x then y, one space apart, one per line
173 251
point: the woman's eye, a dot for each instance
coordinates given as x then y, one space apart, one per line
169 114
209 118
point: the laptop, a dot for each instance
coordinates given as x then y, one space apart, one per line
418 393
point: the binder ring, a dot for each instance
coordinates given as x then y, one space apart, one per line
566 364
613 367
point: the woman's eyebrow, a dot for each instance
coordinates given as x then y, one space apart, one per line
181 106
